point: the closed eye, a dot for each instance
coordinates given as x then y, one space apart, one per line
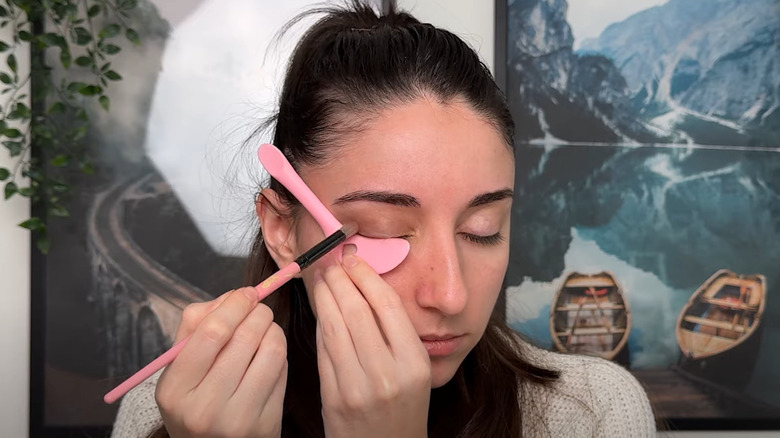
406 236
492 240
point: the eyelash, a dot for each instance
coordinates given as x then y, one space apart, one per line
492 240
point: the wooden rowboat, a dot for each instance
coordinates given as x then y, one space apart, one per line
719 327
590 315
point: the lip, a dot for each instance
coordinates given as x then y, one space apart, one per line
441 345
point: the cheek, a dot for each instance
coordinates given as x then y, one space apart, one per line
484 276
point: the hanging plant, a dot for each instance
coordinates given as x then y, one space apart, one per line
53 121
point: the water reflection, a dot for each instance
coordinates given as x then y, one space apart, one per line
662 220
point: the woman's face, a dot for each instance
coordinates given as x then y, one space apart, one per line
441 177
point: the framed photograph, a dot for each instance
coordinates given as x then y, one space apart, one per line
168 217
647 209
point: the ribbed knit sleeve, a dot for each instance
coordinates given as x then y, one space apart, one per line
593 398
138 414
623 404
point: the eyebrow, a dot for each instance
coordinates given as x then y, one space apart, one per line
487 198
404 200
399 199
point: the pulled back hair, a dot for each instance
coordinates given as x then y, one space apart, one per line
349 67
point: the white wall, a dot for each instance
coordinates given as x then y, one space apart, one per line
472 20
14 296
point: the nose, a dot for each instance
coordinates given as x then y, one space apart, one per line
440 283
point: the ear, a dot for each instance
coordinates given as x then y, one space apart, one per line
277 226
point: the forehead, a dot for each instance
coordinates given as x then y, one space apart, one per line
424 148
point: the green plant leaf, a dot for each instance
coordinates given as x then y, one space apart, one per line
56 108
90 90
87 167
12 62
127 4
76 86
112 49
51 39
33 223
65 58
25 191
80 133
43 243
4 174
93 11
3 12
58 211
41 131
114 76
104 102
25 36
133 37
84 61
23 110
81 36
4 46
60 160
15 148
35 174
12 133
10 189
59 187
6 78
110 31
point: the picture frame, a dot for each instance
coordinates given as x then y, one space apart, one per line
610 167
168 216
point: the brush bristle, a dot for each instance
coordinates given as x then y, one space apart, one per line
349 229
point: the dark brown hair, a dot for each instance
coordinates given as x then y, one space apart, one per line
349 66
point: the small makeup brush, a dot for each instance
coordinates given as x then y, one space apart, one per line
264 289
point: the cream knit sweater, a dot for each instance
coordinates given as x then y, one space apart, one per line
593 398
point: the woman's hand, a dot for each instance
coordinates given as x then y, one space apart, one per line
229 380
375 374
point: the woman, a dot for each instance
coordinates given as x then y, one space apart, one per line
398 127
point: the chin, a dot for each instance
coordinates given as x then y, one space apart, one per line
442 372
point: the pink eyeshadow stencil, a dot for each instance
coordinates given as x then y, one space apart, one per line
382 255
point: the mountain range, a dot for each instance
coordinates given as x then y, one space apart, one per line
688 71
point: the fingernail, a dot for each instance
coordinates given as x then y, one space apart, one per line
318 276
349 260
349 249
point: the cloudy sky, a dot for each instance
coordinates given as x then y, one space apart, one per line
589 17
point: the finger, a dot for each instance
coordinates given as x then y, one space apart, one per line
234 359
194 313
270 420
211 335
387 305
260 379
334 333
328 382
370 345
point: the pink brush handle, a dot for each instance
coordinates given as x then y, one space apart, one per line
264 289
276 164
